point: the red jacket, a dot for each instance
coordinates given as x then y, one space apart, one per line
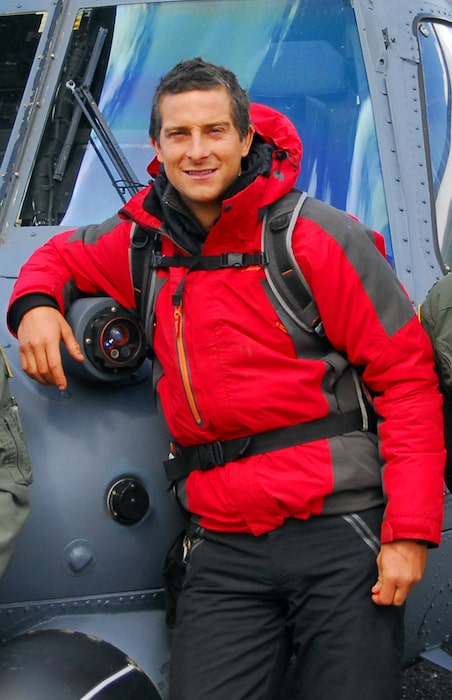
230 367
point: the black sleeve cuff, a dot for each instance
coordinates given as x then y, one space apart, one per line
24 304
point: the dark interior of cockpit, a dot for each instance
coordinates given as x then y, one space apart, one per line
67 131
19 38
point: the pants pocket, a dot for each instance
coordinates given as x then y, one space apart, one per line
15 477
363 530
14 456
176 562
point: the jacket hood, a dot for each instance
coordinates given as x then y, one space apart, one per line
277 129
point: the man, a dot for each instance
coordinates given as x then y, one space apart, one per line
435 314
296 550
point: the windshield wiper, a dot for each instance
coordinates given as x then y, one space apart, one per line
126 180
66 149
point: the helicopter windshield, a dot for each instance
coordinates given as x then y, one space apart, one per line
302 58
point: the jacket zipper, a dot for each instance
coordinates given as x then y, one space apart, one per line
183 365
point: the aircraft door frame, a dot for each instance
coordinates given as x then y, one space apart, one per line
29 113
392 57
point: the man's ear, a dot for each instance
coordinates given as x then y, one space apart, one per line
247 141
157 149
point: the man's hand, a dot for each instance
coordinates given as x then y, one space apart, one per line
401 565
40 333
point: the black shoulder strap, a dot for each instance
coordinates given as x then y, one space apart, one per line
143 245
283 273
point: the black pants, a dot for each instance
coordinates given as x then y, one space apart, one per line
301 592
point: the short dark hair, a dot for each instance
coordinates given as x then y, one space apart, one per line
198 74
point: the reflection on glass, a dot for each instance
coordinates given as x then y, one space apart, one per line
436 51
302 58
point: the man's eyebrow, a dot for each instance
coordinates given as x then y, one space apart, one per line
172 127
224 122
184 127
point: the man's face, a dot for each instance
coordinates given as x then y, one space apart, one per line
200 148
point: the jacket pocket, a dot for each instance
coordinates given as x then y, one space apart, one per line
14 456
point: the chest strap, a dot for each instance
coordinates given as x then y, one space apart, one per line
207 262
217 454
195 263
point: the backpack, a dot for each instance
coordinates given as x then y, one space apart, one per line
293 301
436 316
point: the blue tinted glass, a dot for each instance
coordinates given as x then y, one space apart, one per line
436 51
303 58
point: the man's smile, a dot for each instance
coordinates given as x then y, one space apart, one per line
201 173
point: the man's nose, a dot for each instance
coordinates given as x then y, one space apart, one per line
198 147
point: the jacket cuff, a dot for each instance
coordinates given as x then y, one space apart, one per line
430 536
24 304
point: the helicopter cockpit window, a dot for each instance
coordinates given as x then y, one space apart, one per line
436 51
19 39
302 58
68 131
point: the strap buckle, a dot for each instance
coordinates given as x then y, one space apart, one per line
204 456
210 455
155 259
231 260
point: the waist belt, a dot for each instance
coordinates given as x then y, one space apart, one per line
217 454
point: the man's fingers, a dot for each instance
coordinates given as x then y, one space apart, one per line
71 343
400 566
55 368
34 360
389 594
400 596
383 594
40 334
43 365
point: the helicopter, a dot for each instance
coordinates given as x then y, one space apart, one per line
369 90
